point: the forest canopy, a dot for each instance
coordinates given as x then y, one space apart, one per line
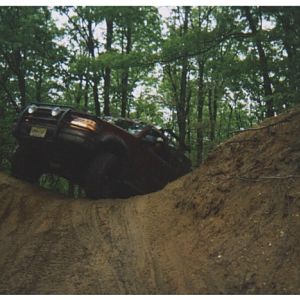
204 72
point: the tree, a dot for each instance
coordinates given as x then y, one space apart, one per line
253 24
285 34
178 76
107 72
28 53
138 36
212 70
83 22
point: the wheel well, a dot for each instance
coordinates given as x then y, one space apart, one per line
113 145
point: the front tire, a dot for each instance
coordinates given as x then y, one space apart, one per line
26 165
101 177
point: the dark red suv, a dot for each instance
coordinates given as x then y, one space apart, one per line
108 157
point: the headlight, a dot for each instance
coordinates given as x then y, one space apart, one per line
55 111
85 123
32 109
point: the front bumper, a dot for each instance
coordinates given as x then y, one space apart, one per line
58 130
63 148
66 135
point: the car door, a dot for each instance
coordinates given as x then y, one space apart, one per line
150 162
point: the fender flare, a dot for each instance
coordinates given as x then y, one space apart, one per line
113 144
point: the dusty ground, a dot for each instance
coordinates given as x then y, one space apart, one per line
231 227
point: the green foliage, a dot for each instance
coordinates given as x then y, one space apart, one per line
7 142
61 185
147 108
31 60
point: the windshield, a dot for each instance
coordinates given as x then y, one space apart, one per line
132 127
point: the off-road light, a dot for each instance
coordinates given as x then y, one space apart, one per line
85 123
55 111
32 109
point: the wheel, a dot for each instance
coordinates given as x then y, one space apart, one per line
26 165
101 177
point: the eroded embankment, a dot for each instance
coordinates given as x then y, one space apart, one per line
231 227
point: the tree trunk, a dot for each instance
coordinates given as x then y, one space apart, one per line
263 64
91 49
96 95
175 95
86 94
124 93
107 71
22 88
212 109
17 67
39 81
182 103
21 76
188 107
200 104
10 98
15 62
229 121
200 98
38 89
79 93
287 20
125 75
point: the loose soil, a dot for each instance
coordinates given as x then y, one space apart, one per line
229 227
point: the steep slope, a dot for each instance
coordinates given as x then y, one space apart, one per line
230 227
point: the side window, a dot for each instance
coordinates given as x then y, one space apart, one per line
153 135
172 139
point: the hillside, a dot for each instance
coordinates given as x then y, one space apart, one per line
229 227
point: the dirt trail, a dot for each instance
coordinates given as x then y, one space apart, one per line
230 227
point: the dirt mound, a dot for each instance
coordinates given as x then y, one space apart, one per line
230 227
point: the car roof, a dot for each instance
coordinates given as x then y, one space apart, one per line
111 119
131 126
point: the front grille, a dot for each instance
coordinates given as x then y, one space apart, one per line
39 120
42 116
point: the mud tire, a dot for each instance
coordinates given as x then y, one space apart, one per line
101 177
26 165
